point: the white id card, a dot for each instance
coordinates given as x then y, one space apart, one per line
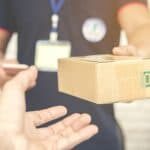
47 54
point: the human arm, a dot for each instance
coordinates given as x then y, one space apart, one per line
134 18
18 128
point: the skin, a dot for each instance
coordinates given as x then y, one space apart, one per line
18 128
4 39
135 20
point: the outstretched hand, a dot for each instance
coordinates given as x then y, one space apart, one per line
18 129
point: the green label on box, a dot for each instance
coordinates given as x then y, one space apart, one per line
147 78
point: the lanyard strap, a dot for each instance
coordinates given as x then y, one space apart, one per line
56 5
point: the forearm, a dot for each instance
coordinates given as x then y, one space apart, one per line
140 37
4 39
134 17
135 20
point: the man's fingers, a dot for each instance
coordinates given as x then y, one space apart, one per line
81 122
38 118
72 140
62 125
84 120
125 51
57 128
12 104
43 116
68 125
72 131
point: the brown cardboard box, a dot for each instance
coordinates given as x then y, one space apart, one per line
105 78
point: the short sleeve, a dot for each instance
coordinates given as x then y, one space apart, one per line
7 21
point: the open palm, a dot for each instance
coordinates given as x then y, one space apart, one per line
21 126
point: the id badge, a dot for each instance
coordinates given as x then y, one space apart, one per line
47 54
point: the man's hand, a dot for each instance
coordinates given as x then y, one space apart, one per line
125 51
18 129
131 50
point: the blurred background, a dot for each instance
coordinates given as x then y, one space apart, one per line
134 118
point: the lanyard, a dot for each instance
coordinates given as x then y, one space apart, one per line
56 6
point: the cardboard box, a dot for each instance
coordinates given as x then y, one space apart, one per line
105 78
